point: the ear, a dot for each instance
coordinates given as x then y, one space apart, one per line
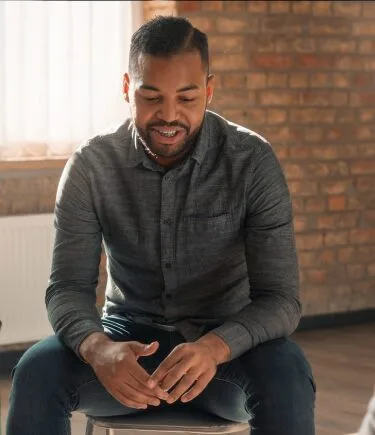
210 88
125 86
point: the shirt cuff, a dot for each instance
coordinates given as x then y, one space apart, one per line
236 336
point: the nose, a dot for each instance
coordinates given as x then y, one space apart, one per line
168 112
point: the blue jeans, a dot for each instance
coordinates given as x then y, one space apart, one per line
271 386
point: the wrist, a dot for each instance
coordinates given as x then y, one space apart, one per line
218 347
91 345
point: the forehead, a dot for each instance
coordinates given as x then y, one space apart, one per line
171 72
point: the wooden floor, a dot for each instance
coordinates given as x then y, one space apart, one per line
343 361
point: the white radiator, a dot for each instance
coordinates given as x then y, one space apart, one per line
26 244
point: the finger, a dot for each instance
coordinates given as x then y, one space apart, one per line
151 392
197 388
183 386
140 374
171 360
175 374
120 397
137 396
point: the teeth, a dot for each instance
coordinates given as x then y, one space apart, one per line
167 133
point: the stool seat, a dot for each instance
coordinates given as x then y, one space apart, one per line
168 420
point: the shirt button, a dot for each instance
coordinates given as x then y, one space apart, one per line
168 296
168 265
167 222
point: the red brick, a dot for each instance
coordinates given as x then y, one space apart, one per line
368 9
356 203
365 253
362 236
237 115
294 44
360 167
336 238
261 44
212 6
298 80
330 27
301 7
333 152
363 79
276 116
234 6
297 204
315 205
360 99
277 80
322 8
335 187
188 6
320 80
234 98
281 25
306 242
279 7
294 171
364 28
278 98
229 62
303 188
300 152
337 45
336 203
256 116
313 134
337 221
366 115
366 184
341 80
317 276
323 98
228 43
271 61
237 25
366 46
368 64
371 269
204 24
234 80
356 271
302 223
347 254
257 6
348 116
368 218
256 80
312 115
364 132
367 150
347 8
311 61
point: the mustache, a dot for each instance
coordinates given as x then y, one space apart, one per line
168 124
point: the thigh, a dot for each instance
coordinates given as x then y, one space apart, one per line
267 385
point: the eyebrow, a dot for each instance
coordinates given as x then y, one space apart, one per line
183 89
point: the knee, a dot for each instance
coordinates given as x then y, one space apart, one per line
283 379
45 363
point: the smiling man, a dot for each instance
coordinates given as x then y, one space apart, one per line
202 294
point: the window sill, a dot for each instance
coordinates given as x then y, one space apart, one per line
31 164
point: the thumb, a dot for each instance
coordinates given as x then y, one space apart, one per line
141 349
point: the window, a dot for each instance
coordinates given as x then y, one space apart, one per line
61 68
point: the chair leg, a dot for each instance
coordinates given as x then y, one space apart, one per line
89 428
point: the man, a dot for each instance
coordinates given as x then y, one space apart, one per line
196 220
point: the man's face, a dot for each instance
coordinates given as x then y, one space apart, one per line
168 97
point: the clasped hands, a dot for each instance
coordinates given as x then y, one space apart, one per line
183 374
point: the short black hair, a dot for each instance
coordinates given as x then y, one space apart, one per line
165 36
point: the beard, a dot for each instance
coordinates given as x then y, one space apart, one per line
158 148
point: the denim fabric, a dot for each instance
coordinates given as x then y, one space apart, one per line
271 386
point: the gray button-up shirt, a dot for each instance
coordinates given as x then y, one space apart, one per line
209 242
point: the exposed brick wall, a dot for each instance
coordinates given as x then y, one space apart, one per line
302 73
